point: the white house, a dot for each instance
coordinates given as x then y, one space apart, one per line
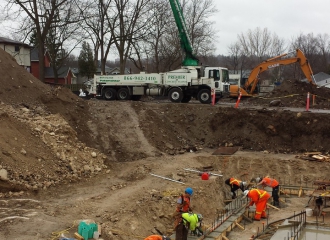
20 51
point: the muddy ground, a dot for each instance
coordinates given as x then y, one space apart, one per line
65 159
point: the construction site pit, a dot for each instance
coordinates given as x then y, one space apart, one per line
66 159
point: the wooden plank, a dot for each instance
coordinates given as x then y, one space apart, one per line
312 153
282 191
247 218
319 157
319 182
307 158
273 206
238 225
78 236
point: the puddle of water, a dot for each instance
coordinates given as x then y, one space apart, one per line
317 233
309 233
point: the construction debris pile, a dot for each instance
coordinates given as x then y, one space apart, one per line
314 156
293 93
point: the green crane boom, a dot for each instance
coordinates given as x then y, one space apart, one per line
190 59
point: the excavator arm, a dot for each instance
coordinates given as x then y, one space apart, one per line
251 83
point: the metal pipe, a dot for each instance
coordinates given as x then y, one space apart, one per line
294 232
263 226
166 178
193 170
267 215
294 187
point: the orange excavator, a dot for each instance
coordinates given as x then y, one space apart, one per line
250 85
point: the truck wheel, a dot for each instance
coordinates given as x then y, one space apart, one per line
204 96
186 99
175 95
110 94
123 94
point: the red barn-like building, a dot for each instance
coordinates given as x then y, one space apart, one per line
65 74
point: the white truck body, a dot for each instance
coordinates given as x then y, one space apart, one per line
179 85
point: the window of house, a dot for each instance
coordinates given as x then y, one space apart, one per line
16 48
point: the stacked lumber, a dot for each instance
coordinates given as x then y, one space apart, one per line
314 156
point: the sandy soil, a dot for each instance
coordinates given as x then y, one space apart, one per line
64 159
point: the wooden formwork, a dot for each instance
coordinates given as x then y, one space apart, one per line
221 232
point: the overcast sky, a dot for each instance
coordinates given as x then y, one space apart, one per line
286 18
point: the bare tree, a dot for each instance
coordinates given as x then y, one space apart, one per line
309 46
201 30
161 47
239 61
278 46
126 23
96 25
235 52
256 43
323 44
37 15
64 35
147 52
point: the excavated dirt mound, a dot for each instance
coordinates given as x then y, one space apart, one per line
21 90
293 93
44 133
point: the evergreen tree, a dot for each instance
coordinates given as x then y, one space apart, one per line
86 61
34 39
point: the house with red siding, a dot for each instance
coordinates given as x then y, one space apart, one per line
65 74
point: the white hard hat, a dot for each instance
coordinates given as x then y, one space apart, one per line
246 192
258 179
244 184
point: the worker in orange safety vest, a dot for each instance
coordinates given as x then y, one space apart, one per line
273 183
235 185
183 206
258 197
157 237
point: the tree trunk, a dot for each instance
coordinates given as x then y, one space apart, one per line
55 75
122 64
41 56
